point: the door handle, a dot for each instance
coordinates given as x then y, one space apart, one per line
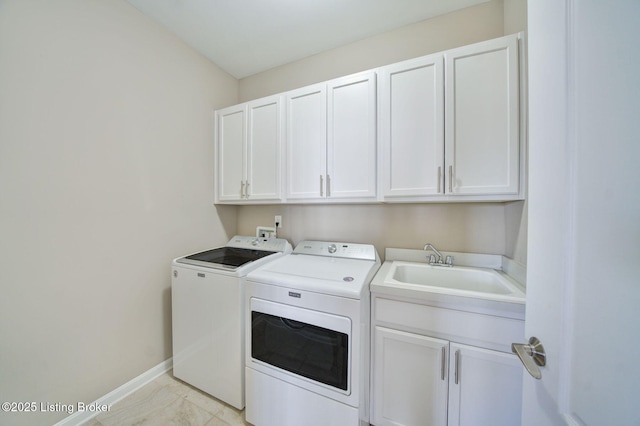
531 355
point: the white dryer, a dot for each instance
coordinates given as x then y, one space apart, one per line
307 336
207 301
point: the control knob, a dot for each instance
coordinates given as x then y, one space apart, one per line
332 248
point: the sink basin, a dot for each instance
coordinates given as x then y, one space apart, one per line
456 280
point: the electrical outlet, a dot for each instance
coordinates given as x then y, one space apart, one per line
278 221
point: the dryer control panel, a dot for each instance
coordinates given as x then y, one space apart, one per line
337 249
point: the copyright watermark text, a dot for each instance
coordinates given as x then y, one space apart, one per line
57 407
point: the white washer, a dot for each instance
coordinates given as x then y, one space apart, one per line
207 299
307 336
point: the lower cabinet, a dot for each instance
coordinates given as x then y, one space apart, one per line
485 387
410 385
420 380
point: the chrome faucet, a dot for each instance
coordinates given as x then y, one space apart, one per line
448 261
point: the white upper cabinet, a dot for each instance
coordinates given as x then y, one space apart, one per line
264 150
249 152
306 142
231 125
331 140
442 127
482 118
450 125
351 137
412 127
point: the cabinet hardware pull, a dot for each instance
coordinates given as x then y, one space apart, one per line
444 362
328 185
246 189
450 178
457 366
241 189
321 186
439 178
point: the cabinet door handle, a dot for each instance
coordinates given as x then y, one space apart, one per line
241 189
457 366
443 368
246 189
328 185
450 178
321 186
439 178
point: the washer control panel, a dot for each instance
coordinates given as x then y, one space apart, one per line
336 249
258 243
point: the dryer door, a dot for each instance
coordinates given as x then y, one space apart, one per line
307 343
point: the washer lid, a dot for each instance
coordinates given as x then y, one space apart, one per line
238 252
225 257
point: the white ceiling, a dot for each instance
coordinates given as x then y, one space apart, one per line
245 37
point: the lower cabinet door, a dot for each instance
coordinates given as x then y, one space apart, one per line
410 379
485 387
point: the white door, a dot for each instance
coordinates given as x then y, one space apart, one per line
307 142
482 135
351 138
264 149
412 127
583 268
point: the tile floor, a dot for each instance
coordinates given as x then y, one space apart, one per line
169 401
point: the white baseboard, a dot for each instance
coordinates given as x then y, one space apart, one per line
119 393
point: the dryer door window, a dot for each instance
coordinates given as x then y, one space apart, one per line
302 348
308 343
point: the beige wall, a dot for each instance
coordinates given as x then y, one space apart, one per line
483 228
515 16
472 227
106 174
466 26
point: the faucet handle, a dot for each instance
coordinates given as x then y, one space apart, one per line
449 260
432 259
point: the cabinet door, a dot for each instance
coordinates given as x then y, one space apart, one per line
412 127
306 142
409 379
485 387
351 139
482 120
264 149
231 145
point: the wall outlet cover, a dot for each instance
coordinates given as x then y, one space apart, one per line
265 232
